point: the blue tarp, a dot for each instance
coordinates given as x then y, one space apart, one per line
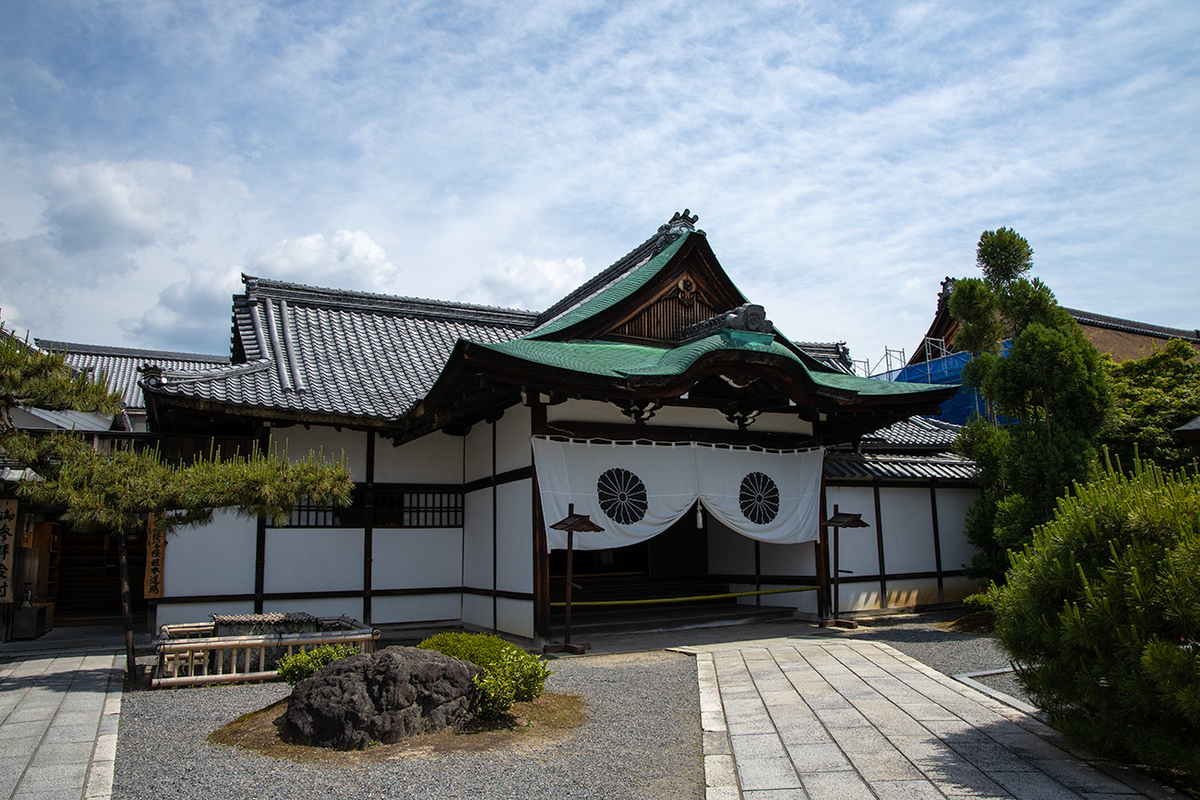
947 369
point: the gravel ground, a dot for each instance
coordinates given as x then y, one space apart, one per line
642 740
948 652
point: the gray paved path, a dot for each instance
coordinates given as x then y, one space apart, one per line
786 719
58 726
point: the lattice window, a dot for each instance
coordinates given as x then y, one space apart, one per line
418 507
392 506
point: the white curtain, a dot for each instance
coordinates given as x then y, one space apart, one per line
636 491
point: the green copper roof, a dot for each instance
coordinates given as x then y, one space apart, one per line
617 360
618 291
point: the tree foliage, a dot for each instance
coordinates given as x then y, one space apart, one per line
30 377
119 492
1037 372
1152 396
1101 615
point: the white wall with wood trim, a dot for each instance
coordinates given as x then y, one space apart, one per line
314 560
435 458
177 613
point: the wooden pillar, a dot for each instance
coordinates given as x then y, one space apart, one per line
823 587
883 590
541 555
937 541
260 539
369 529
495 535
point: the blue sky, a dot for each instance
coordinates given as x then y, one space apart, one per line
843 157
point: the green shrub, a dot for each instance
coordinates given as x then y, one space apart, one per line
1101 614
979 603
295 668
510 674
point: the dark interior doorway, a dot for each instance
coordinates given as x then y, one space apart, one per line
89 588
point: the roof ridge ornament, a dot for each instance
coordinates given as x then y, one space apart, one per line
682 222
749 317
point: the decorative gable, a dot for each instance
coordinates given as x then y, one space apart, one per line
684 304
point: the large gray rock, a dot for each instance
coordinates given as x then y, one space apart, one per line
381 697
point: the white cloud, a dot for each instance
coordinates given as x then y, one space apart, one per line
840 155
125 205
348 260
516 281
184 314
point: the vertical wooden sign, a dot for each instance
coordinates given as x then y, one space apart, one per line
156 545
8 543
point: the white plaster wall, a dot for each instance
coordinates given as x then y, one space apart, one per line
858 548
215 559
785 559
436 458
416 608
956 588
514 551
515 617
513 450
909 593
318 606
403 558
907 530
477 452
477 611
804 601
952 517
586 411
313 560
325 441
178 613
668 416
728 551
477 538
858 596
781 423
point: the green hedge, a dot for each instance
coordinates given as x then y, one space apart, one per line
295 668
510 674
1101 614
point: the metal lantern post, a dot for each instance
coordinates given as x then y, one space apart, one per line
837 521
571 523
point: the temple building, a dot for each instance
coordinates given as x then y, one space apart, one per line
716 455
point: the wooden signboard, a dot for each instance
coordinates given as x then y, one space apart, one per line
8 544
156 550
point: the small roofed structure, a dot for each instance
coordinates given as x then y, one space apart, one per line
121 368
1189 431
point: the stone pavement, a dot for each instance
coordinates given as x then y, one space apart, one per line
787 719
58 725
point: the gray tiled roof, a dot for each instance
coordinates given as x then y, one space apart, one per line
337 353
121 364
304 349
1131 326
889 466
914 433
831 354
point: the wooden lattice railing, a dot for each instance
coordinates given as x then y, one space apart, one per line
190 654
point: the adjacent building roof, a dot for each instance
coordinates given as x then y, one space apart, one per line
333 355
1130 326
893 467
914 433
944 327
120 365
